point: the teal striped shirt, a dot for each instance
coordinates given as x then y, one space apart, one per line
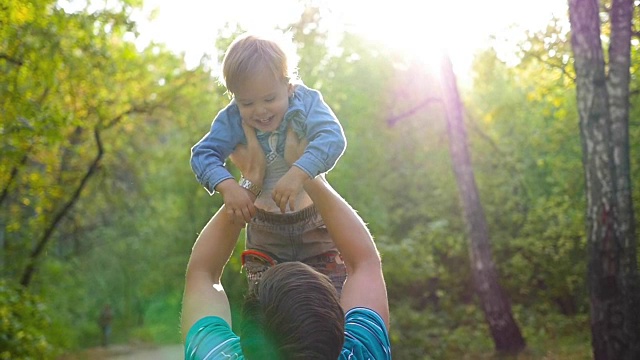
365 338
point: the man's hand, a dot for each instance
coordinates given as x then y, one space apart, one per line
290 185
293 147
250 158
251 161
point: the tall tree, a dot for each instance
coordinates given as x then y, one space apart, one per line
603 107
495 304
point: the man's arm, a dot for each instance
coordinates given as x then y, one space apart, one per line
365 286
203 292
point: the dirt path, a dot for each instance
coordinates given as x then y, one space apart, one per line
129 352
166 352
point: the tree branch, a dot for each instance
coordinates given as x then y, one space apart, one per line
11 60
133 110
393 120
41 244
12 176
48 232
562 68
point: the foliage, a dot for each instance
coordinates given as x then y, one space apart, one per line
54 127
83 148
126 237
24 319
161 326
534 154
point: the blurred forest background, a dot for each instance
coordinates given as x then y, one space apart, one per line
98 204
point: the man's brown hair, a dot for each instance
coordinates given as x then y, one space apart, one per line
293 312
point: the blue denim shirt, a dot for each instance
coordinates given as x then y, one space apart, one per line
311 118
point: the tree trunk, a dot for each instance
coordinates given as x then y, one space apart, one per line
497 309
618 83
603 107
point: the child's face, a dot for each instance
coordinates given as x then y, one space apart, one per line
263 100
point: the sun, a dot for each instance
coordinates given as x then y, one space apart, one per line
428 29
423 30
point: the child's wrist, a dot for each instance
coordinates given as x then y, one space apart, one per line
224 185
299 173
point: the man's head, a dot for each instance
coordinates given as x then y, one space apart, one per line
293 312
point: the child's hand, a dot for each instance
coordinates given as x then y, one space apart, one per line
288 188
237 200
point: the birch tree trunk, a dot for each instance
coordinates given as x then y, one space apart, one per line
603 107
495 304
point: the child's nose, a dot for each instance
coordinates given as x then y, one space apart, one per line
261 110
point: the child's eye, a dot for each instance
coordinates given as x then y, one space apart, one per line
245 104
271 99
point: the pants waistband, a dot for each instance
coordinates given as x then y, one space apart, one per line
272 260
289 218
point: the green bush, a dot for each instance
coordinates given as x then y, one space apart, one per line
23 325
162 320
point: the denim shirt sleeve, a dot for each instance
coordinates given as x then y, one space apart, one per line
208 156
321 128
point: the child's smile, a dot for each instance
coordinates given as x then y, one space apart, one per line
263 100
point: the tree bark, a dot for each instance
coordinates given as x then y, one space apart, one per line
603 107
495 304
618 88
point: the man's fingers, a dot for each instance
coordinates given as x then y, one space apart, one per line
240 157
232 215
281 201
292 203
249 133
290 131
240 215
291 146
246 215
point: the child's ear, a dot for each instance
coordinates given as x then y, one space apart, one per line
290 90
